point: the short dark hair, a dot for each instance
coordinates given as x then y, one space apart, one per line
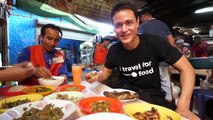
125 4
197 38
145 10
44 27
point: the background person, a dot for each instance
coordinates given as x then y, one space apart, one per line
183 47
199 48
150 25
100 51
137 59
45 58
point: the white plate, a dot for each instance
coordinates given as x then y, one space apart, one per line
105 116
68 108
76 94
119 90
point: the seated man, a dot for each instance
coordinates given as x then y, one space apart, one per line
137 58
44 57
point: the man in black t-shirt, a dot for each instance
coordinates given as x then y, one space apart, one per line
137 58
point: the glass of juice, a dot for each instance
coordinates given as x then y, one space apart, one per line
76 73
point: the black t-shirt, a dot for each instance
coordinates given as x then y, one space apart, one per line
139 68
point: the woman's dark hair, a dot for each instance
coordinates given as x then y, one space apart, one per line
44 27
125 4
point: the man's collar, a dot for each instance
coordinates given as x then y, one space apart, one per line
151 18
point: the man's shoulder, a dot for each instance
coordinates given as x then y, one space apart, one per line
26 48
33 47
148 37
155 21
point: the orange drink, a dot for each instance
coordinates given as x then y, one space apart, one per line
77 73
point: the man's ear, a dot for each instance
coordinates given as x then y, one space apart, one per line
41 37
138 21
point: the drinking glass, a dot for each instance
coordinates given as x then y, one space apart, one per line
77 73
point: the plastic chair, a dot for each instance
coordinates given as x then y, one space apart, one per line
201 100
205 99
199 97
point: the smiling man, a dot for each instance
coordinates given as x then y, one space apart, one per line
44 57
140 55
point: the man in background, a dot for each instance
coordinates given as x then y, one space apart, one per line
100 51
199 48
150 25
45 58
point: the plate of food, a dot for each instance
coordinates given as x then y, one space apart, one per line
73 96
99 104
10 102
39 89
44 109
123 95
71 87
13 90
105 116
140 111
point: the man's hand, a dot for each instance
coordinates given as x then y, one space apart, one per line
91 76
185 112
42 72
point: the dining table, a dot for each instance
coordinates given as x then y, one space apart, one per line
94 90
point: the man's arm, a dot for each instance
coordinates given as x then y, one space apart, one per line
187 80
171 40
17 72
99 76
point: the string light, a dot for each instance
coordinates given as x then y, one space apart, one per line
204 10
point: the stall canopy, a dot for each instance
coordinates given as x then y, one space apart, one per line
45 10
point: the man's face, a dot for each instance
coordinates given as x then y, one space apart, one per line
125 25
106 43
50 40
